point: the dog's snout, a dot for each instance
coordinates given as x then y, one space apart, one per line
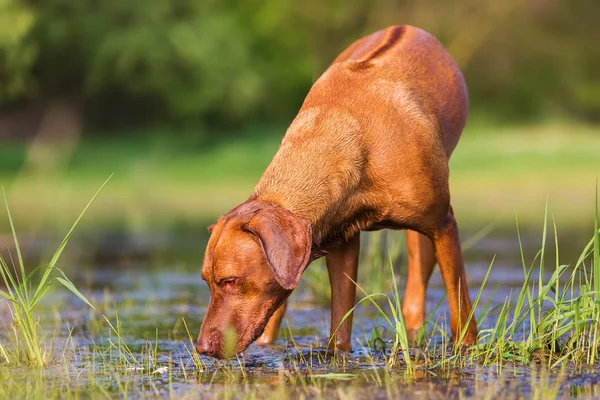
207 347
209 342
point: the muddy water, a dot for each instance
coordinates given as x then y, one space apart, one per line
147 286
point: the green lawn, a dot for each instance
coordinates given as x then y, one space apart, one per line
158 178
497 173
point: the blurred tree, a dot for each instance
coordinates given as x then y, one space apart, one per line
238 61
522 59
196 59
16 54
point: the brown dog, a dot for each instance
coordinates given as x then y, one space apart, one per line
368 150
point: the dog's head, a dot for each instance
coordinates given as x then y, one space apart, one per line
253 260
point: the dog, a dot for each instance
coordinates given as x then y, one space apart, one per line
368 150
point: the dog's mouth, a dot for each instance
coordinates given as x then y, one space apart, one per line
250 335
247 334
253 332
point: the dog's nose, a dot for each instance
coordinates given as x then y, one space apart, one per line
206 347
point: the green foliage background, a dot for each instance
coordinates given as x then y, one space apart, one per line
230 62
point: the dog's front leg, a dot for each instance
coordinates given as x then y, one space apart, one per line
421 261
342 265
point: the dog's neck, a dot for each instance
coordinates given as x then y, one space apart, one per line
320 173
323 239
319 230
334 217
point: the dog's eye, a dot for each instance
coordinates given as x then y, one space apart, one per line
229 283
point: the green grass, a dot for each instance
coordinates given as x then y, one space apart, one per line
495 173
561 337
548 328
554 321
24 292
563 314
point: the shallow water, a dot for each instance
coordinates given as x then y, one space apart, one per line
148 286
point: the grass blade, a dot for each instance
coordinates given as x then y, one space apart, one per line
25 294
63 244
69 285
596 267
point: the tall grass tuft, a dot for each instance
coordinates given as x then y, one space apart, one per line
551 321
24 295
596 251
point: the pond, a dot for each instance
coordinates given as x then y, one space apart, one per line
150 300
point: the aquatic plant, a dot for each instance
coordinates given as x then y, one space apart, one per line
553 320
536 342
24 294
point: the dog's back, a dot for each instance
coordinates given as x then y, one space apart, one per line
371 141
429 77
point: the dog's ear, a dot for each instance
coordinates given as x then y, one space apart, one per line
286 240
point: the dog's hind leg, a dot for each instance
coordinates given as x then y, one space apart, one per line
421 260
272 329
448 253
